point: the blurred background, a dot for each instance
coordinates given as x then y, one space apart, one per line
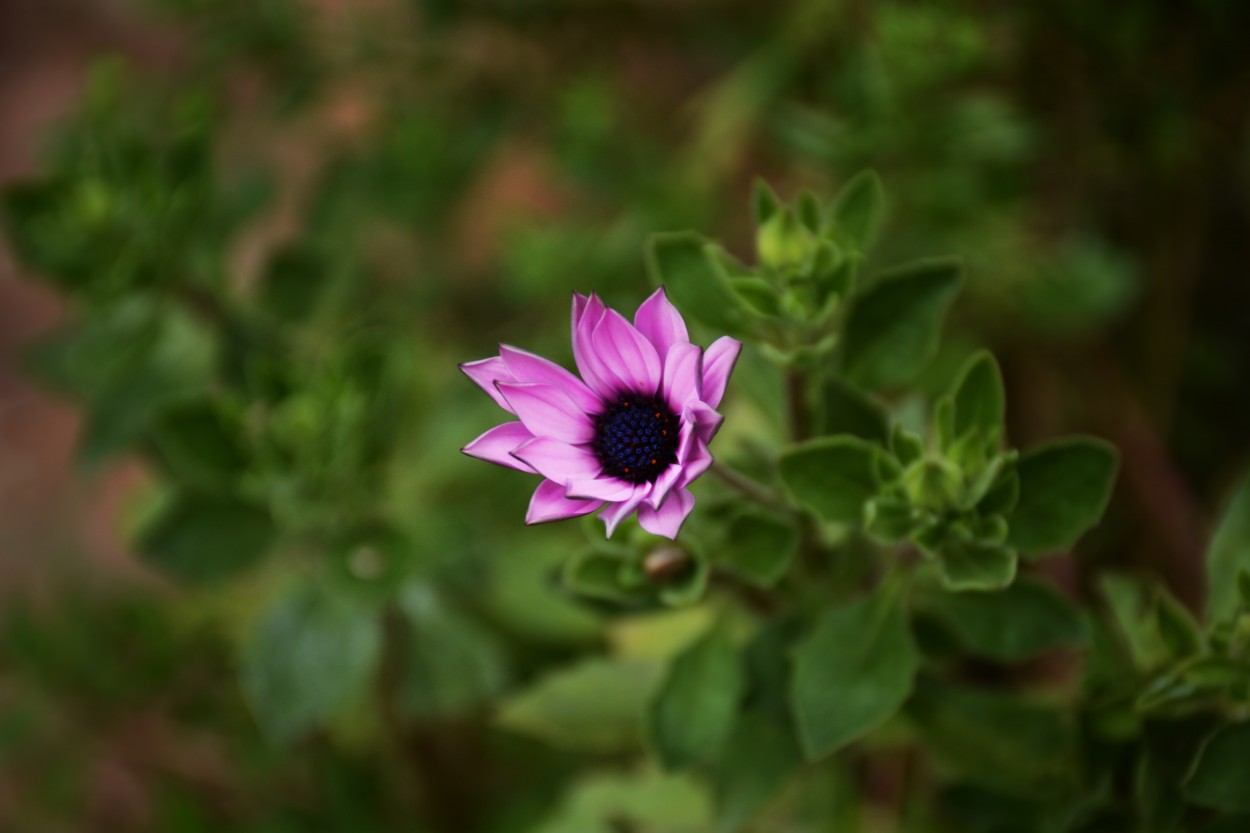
246 242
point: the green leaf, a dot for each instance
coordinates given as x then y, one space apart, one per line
597 573
810 212
613 800
688 584
832 272
1228 556
308 657
892 331
683 263
1003 495
759 759
852 672
845 409
980 403
996 739
758 294
198 538
1221 773
857 210
595 705
979 478
764 202
833 476
892 518
1177 629
906 447
61 227
200 444
697 704
92 354
1129 606
1016 624
1195 685
451 663
974 565
767 658
944 422
758 547
1064 489
131 363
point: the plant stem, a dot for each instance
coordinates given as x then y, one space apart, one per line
753 491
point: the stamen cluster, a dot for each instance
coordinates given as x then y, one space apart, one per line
636 438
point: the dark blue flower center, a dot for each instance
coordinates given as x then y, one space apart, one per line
636 438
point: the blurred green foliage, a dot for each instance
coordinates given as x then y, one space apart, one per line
275 251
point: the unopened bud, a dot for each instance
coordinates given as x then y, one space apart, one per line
783 242
666 564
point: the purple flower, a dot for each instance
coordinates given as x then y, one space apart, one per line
631 434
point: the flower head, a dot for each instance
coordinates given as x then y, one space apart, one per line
630 435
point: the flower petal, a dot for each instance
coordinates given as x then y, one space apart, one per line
600 488
580 302
672 475
485 373
530 368
497 445
614 513
665 482
550 504
558 461
667 520
699 461
705 419
587 313
682 375
660 322
627 355
548 412
718 363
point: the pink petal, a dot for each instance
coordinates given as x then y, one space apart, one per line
550 504
614 513
718 363
660 322
700 461
557 460
587 313
626 354
529 368
667 520
706 421
600 488
666 481
580 302
497 445
682 375
485 373
548 412
673 475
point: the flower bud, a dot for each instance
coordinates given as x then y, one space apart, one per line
666 564
783 242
